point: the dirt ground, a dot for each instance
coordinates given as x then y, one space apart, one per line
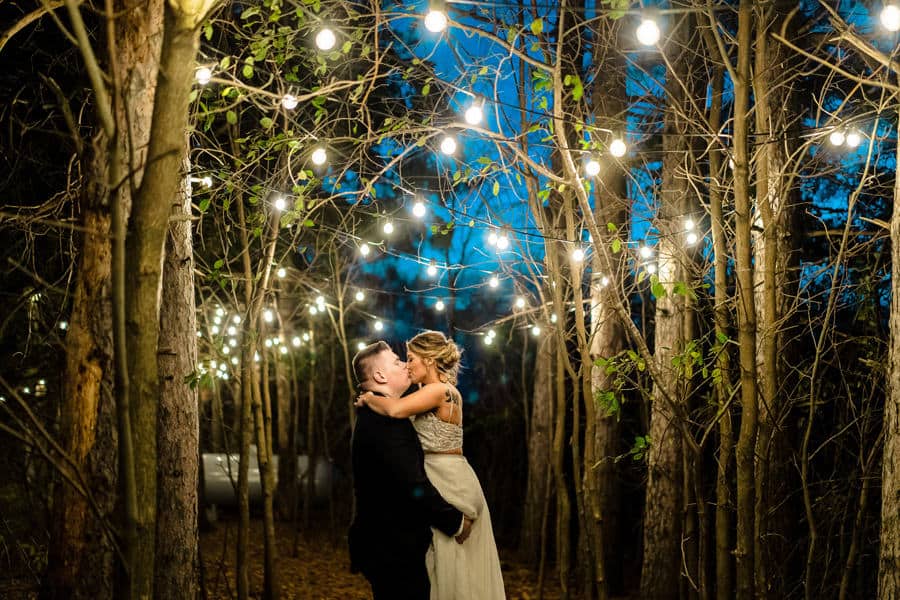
320 570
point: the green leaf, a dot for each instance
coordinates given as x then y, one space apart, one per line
616 246
231 117
265 122
611 227
247 71
496 188
208 31
225 62
219 264
309 223
204 204
656 288
426 89
346 47
537 26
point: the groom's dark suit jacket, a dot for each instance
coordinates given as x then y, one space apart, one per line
396 505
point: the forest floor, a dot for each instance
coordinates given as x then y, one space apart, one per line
319 569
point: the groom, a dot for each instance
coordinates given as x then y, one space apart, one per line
396 505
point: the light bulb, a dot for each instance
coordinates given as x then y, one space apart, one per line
63 325
618 148
604 281
214 330
364 249
836 138
203 75
280 203
268 316
448 145
313 310
690 239
320 301
554 318
281 273
439 305
289 102
492 238
236 319
207 181
491 333
502 242
418 210
232 330
535 331
592 168
388 228
520 302
688 224
226 349
488 340
319 156
306 337
431 270
493 281
854 139
283 350
325 39
890 17
578 255
360 296
360 345
646 251
233 343
651 269
647 32
435 21
474 115
378 325
295 341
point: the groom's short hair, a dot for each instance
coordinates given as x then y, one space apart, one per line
362 362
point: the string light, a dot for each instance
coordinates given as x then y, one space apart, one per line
646 252
283 350
319 156
492 238
520 302
418 210
491 333
836 138
854 139
295 341
592 168
432 269
535 331
289 101
388 228
493 281
214 330
651 268
474 114
306 337
360 345
502 242
604 281
63 325
232 342
439 305
691 238
236 319
688 224
488 340
268 316
281 273
448 145
313 310
364 249
378 325
325 39
232 330
226 349
436 19
220 312
360 296
554 318
618 148
203 75
647 32
280 203
578 255
320 301
890 17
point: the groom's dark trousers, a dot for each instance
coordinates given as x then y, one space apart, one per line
396 506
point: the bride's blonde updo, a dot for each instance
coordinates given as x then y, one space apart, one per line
444 352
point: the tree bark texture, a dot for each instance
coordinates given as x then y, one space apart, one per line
178 433
539 449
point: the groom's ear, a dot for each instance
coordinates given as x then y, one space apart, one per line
378 376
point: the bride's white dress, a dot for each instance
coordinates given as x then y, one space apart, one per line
469 571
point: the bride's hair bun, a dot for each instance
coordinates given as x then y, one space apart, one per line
443 351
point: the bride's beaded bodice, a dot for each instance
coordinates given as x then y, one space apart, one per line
436 435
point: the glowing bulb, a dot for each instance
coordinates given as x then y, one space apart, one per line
535 331
203 75
474 115
214 330
207 181
364 249
618 148
890 17
691 238
268 316
854 139
388 228
280 203
281 273
320 301
360 345
592 168
554 318
439 305
688 224
502 242
647 32
232 342
836 138
493 281
232 330
289 101
306 337
283 350
217 320
651 269
492 238
313 310
325 39
418 210
295 342
236 319
431 270
448 145
520 302
378 325
604 281
435 21
491 333
578 255
360 296
488 340
226 349
319 156
234 360
646 251
63 325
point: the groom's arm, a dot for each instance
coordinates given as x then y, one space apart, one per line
403 455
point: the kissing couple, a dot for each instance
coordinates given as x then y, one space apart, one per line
421 528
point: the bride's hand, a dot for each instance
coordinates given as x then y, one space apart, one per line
363 399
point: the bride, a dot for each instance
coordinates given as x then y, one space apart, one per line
469 571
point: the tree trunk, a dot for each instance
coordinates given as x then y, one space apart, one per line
179 419
776 256
538 450
81 556
889 547
144 257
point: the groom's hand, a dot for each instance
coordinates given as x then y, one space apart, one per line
466 530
